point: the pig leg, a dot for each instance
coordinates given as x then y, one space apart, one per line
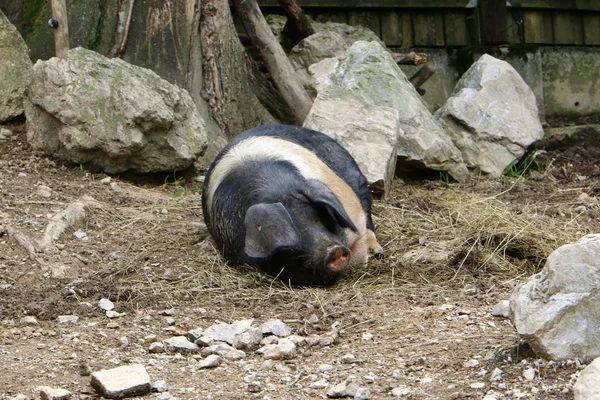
372 244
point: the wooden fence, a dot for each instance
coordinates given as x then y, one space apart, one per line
451 23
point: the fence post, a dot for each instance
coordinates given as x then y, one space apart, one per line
61 32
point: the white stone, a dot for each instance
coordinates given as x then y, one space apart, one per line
211 361
181 344
587 386
276 327
492 116
367 75
109 114
342 389
125 381
48 393
529 374
156 347
401 391
501 309
106 304
556 311
67 319
28 320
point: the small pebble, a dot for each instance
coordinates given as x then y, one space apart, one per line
106 304
67 319
211 361
28 320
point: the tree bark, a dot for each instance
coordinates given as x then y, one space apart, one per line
239 95
297 26
284 76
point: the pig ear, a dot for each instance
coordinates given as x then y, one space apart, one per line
269 227
317 192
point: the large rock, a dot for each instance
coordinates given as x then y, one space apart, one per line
366 74
108 114
311 50
556 311
15 70
492 116
587 386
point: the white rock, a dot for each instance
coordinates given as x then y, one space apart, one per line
227 332
477 385
401 391
276 327
195 334
79 234
115 187
492 116
472 363
181 344
125 381
321 384
556 310
145 125
326 367
248 340
159 386
368 81
44 191
48 393
283 350
156 347
362 394
211 361
67 319
106 304
106 180
28 320
342 389
501 309
529 374
367 336
587 386
496 375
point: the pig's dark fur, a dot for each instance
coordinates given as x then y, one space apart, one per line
279 192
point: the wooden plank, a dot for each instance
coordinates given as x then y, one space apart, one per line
558 4
429 28
567 27
537 25
373 3
455 25
408 33
591 29
339 16
391 28
368 19
514 26
493 21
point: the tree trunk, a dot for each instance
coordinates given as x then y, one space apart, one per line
297 26
280 68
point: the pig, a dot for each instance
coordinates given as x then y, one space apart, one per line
290 201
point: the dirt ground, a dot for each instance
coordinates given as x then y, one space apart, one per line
417 322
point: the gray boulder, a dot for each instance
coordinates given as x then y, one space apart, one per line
15 70
492 116
368 81
108 114
587 386
311 50
556 311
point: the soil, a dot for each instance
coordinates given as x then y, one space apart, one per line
416 321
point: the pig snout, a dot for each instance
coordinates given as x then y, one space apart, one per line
338 258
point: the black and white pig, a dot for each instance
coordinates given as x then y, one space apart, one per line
291 201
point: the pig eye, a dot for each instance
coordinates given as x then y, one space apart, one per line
325 217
